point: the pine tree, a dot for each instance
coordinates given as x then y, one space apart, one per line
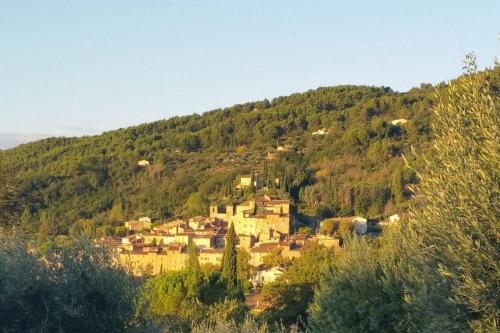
229 262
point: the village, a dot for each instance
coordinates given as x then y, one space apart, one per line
263 225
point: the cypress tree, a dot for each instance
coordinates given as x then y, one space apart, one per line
229 262
193 267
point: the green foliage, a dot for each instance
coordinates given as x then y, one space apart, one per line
174 301
275 259
360 293
116 213
196 204
79 288
194 159
193 267
439 271
164 301
10 205
244 268
291 294
229 268
248 325
454 236
82 227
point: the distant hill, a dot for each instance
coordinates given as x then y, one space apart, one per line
354 168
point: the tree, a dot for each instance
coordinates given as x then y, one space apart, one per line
116 213
163 301
275 259
82 227
360 293
79 288
244 268
292 293
453 238
229 269
439 271
196 204
193 267
9 197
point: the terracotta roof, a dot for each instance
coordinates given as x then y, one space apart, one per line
109 241
266 247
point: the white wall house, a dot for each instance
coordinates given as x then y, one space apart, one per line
321 131
360 225
401 121
267 275
394 218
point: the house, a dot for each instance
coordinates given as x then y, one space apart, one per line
328 241
401 121
133 239
266 276
173 227
220 213
138 226
152 238
210 256
145 219
321 131
246 241
198 222
360 225
245 181
258 252
109 241
143 163
394 218
391 220
204 241
284 148
264 218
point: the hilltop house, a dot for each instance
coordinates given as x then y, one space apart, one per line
401 121
138 226
284 148
321 131
393 219
266 275
245 181
360 225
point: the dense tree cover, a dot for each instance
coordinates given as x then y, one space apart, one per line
292 293
74 289
177 301
436 273
9 196
196 159
439 272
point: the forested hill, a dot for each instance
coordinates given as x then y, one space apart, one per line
355 168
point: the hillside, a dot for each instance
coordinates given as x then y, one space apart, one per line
355 168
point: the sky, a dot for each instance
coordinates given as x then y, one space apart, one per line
72 68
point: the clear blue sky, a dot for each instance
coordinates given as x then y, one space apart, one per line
82 67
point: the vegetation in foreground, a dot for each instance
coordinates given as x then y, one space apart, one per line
438 272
